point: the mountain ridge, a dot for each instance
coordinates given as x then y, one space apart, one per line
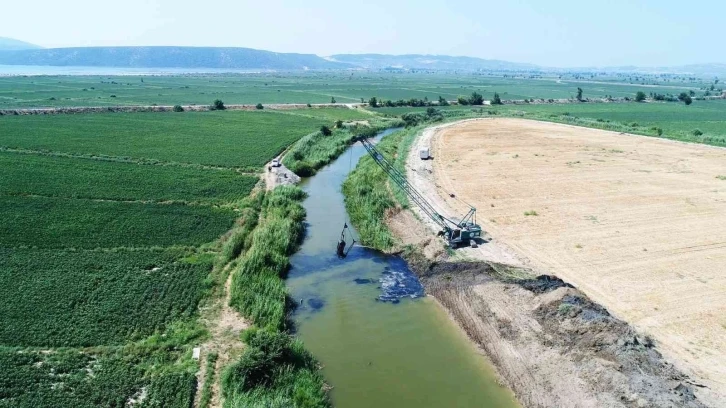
11 44
167 57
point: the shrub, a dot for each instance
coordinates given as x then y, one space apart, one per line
259 106
325 130
113 96
496 100
339 124
332 100
659 131
443 101
462 100
178 108
218 105
310 106
373 102
476 99
274 370
697 132
640 96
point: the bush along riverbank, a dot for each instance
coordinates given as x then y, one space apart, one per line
505 311
318 149
274 370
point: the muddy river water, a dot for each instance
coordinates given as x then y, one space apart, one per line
381 341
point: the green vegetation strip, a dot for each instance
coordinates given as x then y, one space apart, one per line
258 289
316 150
319 87
702 122
274 370
25 174
63 223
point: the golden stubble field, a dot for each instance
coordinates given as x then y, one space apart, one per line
637 223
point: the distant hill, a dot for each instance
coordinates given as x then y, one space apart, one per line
167 57
437 62
11 44
14 52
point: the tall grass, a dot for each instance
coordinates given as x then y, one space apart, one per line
274 370
240 237
258 289
315 150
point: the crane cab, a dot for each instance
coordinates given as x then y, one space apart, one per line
465 235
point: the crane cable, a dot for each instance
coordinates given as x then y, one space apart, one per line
448 192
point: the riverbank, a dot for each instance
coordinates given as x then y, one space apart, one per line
273 367
550 343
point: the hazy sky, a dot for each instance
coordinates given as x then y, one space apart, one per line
545 32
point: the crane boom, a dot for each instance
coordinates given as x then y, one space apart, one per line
403 183
454 232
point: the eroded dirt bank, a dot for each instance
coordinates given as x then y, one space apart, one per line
551 344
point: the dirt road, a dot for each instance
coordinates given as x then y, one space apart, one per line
636 223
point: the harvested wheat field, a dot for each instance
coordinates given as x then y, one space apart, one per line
637 223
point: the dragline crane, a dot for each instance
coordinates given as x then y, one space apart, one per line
455 233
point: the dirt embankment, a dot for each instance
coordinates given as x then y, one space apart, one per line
552 345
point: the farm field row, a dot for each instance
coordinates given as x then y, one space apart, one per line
237 139
45 222
66 177
345 87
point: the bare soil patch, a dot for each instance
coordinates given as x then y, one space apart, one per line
636 223
279 176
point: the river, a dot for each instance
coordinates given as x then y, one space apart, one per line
403 352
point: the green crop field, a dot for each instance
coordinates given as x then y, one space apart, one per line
65 177
46 222
232 139
93 378
89 298
316 87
